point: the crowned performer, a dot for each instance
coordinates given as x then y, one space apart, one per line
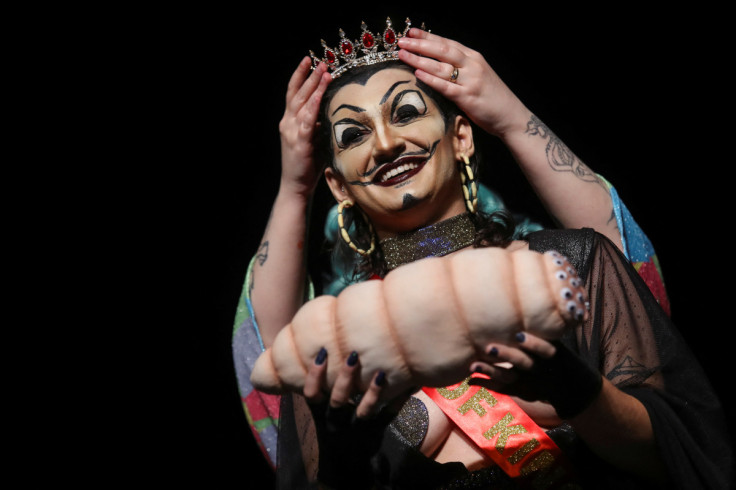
613 399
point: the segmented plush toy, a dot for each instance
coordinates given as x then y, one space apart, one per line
427 321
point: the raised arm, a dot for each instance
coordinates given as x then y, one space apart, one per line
560 179
279 271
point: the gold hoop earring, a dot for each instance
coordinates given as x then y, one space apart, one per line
347 203
470 189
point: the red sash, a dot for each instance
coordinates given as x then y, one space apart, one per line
499 427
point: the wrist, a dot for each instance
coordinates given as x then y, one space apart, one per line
294 195
580 387
515 127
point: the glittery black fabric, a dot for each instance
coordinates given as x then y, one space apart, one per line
633 342
435 240
411 423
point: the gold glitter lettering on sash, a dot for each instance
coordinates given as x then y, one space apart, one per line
457 392
544 461
533 456
504 431
523 451
473 402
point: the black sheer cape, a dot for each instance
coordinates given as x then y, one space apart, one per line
628 338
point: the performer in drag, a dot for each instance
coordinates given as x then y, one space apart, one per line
618 401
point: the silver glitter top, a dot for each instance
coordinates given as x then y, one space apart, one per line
411 423
431 241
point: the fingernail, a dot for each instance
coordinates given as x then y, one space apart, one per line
380 378
321 356
493 351
520 337
352 358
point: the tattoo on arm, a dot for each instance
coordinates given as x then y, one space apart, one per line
559 156
630 372
262 254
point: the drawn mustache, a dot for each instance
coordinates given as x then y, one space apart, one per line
373 170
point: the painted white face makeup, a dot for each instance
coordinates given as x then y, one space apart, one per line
396 158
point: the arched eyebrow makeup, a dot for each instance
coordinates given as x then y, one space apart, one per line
353 108
390 91
383 99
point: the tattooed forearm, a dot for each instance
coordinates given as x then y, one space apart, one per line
262 254
559 156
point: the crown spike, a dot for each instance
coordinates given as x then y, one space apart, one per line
347 48
408 26
367 40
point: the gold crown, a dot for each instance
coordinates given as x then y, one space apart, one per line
367 43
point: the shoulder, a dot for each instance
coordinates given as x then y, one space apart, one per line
575 244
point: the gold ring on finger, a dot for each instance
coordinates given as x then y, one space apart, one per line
455 73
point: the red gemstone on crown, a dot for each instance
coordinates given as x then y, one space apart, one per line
368 43
368 40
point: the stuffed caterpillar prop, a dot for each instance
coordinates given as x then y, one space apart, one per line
427 321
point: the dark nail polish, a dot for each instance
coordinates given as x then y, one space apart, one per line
321 356
353 359
493 351
380 378
520 337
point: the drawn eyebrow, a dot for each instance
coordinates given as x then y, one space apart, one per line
391 89
348 106
383 99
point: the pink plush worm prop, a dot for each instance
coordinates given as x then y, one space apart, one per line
427 321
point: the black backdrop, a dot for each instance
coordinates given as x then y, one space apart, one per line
639 96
